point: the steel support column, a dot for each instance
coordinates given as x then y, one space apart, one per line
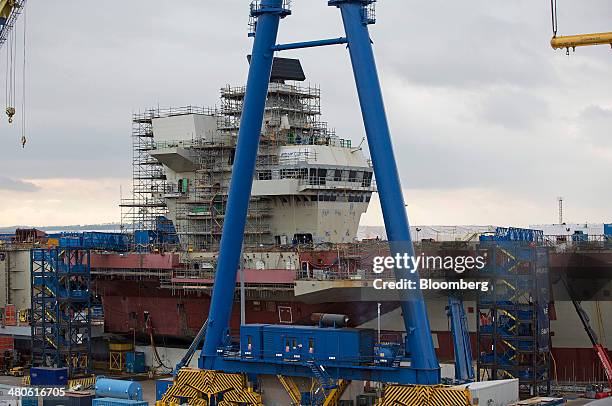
387 177
268 14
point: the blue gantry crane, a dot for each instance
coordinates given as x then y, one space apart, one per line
341 353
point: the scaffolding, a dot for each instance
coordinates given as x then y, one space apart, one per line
196 201
513 329
291 117
61 308
146 205
148 179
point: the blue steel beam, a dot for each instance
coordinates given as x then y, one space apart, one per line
310 44
373 373
387 178
268 14
464 369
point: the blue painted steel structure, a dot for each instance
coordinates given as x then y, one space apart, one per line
464 369
416 321
61 303
216 354
268 14
95 241
513 323
310 44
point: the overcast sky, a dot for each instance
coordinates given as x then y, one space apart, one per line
489 124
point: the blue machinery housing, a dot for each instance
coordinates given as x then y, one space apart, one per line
216 355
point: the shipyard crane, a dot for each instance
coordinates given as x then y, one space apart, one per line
572 41
598 347
10 10
424 368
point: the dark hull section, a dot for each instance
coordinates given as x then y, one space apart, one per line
142 307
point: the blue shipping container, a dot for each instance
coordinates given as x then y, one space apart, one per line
118 402
608 229
161 386
135 362
48 376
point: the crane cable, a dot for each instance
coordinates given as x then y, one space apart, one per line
553 11
11 57
23 82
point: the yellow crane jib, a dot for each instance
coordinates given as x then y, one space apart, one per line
6 6
583 40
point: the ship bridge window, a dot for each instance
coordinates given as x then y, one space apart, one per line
367 179
328 198
352 176
338 175
322 175
312 175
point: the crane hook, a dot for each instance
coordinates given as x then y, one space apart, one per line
10 112
23 141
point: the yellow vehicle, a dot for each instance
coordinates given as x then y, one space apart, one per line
16 371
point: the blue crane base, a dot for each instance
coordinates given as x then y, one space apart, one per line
374 373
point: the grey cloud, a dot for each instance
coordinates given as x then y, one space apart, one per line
16 185
594 123
462 47
514 110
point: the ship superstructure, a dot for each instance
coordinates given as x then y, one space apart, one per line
311 186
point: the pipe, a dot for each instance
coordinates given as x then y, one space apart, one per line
573 41
309 44
330 319
416 321
118 388
269 15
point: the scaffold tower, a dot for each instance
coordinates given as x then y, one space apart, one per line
61 308
513 326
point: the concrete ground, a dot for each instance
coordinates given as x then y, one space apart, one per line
148 391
